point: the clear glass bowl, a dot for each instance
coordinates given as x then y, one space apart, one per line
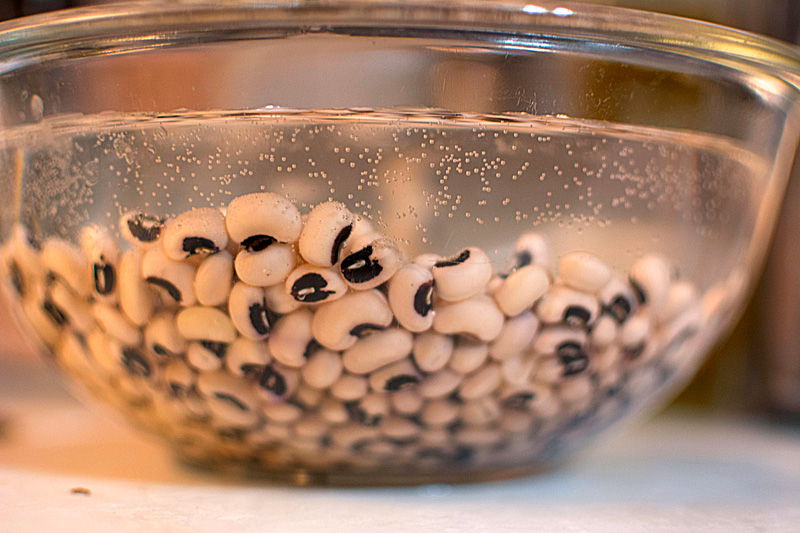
612 175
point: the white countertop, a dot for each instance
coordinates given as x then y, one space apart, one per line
679 472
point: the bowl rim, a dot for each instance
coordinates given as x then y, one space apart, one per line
35 36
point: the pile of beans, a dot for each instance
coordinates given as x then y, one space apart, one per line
263 334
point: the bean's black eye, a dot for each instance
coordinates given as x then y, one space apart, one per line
196 245
256 243
359 267
259 317
572 357
310 288
463 256
362 329
231 399
519 400
272 381
17 279
641 297
171 289
619 308
135 363
54 312
338 242
400 382
145 228
104 278
523 259
577 316
423 299
217 348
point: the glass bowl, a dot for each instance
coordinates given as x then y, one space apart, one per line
367 242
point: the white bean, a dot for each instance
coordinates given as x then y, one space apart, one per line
194 232
398 428
604 331
515 337
280 301
478 317
136 298
333 411
432 351
290 339
377 350
323 368
265 267
480 383
462 276
214 278
521 289
481 412
440 384
407 401
583 271
115 324
518 370
682 296
205 323
326 229
349 388
468 356
338 324
438 413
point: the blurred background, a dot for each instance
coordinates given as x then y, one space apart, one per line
758 367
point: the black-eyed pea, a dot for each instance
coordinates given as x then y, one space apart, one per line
206 356
280 301
198 231
161 337
337 325
260 219
138 364
478 317
377 350
515 337
323 369
439 413
480 383
481 412
314 284
324 233
411 297
136 297
76 311
349 387
66 262
440 384
140 229
291 342
44 317
213 279
265 267
247 307
102 253
174 279
278 382
551 337
521 289
371 261
361 227
583 271
247 357
562 305
395 377
231 401
463 276
565 356
604 331
205 324
111 321
531 249
333 411
432 351
178 379
634 335
650 279
468 355
370 409
618 300
407 401
105 351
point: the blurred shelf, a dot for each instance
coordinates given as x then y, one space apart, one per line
682 471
